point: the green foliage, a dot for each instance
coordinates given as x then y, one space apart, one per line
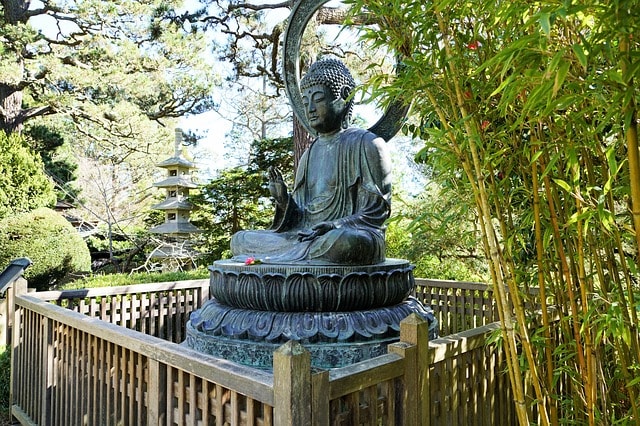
239 198
23 184
265 153
111 68
58 162
235 200
5 381
437 231
112 280
49 240
531 108
438 234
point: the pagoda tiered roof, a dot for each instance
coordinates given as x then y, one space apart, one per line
175 228
176 181
173 204
177 161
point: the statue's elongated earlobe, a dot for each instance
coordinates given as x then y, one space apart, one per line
345 91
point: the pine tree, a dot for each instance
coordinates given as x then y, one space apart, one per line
99 64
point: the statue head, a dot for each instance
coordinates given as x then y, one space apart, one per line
334 78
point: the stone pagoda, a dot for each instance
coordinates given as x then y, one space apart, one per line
176 229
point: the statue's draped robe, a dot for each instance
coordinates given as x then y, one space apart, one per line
355 198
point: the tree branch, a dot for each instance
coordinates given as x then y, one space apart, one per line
40 111
288 4
337 16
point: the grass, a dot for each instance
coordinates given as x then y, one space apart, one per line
112 280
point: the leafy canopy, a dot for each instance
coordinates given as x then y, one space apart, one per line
531 107
239 198
100 64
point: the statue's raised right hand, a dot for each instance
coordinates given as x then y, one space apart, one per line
277 187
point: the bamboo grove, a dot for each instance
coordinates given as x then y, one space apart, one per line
533 105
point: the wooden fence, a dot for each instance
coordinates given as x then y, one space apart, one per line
459 306
158 309
112 356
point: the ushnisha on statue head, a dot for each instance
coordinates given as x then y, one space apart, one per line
330 80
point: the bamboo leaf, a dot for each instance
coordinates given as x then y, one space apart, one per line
555 62
564 101
615 76
552 162
563 69
606 217
535 157
582 57
562 184
502 85
545 23
632 71
579 216
610 153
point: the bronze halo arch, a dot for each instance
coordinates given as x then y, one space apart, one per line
386 127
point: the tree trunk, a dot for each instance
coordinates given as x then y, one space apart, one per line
11 117
337 15
301 141
10 109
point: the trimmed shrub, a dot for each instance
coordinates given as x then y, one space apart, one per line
49 240
5 381
23 184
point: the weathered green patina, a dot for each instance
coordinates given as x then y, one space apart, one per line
342 192
319 275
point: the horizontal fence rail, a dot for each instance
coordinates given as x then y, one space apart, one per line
458 305
109 356
72 369
159 309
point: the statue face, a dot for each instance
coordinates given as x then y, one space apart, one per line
323 110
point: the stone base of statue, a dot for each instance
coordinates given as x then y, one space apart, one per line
341 314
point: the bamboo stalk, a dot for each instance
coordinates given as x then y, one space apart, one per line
631 137
595 248
589 373
496 258
515 375
548 350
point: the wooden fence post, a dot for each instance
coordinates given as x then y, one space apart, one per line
156 401
320 398
12 329
413 347
47 372
292 385
19 286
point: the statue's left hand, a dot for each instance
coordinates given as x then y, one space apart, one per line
316 231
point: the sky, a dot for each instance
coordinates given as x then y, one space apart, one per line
210 155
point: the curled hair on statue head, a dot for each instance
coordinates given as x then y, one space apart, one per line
335 75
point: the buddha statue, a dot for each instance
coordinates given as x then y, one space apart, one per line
341 196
